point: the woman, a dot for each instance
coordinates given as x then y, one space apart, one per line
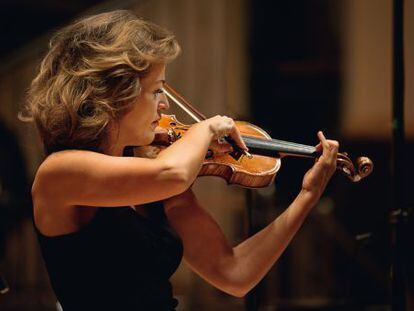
107 240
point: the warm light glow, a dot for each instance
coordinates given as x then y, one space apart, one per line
367 69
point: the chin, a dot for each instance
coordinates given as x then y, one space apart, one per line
149 138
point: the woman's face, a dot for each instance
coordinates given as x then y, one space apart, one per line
137 127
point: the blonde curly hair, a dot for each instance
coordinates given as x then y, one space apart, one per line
90 77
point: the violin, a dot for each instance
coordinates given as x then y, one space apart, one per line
254 169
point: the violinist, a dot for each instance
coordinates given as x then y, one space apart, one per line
113 228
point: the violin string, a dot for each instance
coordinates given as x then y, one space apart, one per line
287 143
280 143
294 146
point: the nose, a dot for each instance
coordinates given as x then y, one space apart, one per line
164 103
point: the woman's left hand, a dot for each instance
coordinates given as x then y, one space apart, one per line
316 179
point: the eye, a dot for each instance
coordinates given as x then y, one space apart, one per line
158 91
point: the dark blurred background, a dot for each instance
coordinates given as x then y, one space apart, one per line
290 67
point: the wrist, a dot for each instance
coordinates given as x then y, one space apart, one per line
310 198
207 124
202 126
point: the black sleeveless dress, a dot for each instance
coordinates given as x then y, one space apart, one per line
119 261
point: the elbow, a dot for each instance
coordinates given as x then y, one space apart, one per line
231 278
182 182
242 292
235 284
179 178
238 293
235 290
238 289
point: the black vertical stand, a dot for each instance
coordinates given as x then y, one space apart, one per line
252 300
398 213
4 287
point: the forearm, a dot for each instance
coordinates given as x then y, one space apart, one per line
187 154
237 270
254 257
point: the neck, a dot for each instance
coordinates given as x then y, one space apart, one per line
115 150
114 144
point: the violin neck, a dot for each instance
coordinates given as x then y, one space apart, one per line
279 148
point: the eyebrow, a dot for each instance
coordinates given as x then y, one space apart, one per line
162 81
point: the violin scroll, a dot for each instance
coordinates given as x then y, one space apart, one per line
364 165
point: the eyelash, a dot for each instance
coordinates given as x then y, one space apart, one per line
159 91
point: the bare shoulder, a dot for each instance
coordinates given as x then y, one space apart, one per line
51 215
57 165
67 160
66 172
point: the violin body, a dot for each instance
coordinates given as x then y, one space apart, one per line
255 172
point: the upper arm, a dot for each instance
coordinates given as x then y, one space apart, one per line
75 177
206 249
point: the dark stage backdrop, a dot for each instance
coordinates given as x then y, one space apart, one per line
326 65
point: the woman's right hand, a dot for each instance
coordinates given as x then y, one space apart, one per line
222 126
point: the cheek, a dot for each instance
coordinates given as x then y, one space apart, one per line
148 107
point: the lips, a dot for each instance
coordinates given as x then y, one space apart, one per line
155 123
